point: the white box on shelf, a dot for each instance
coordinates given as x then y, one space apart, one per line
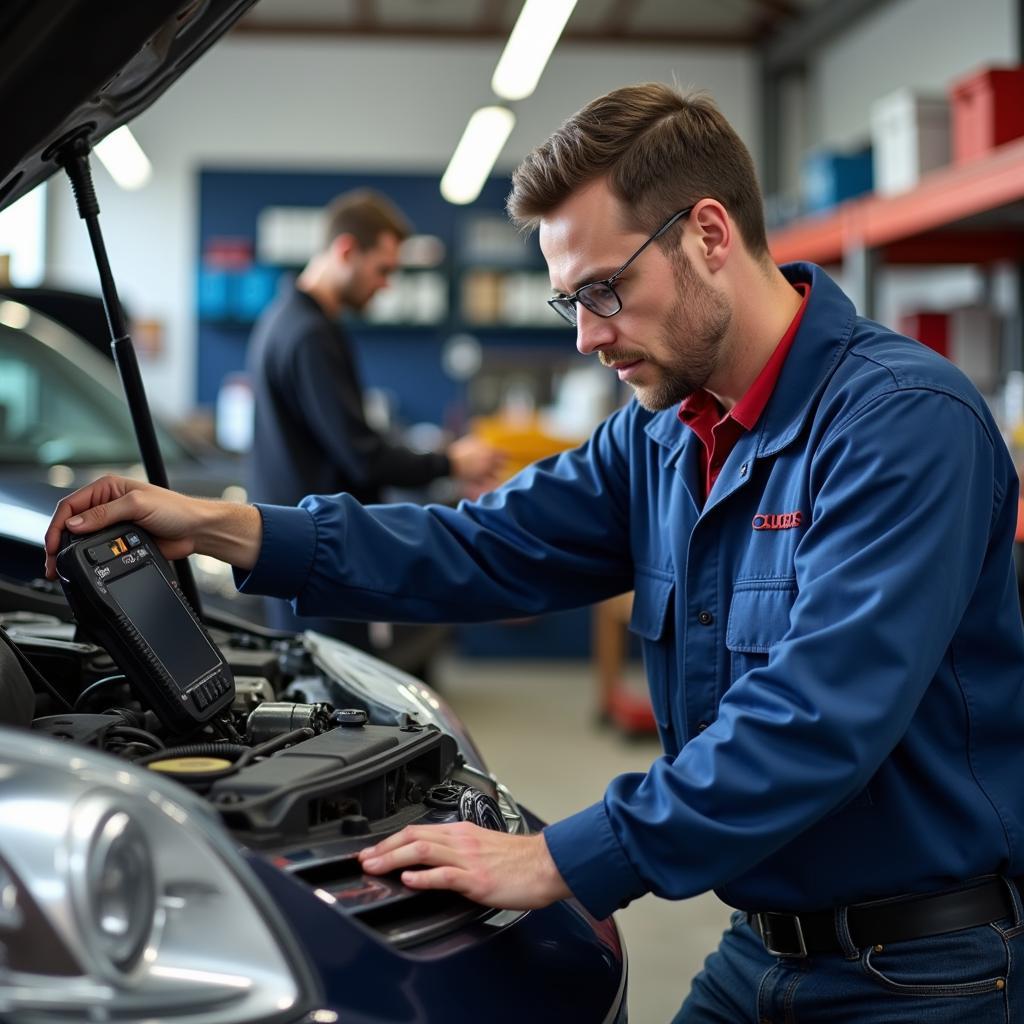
910 136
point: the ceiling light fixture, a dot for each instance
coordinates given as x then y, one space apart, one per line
481 143
534 36
122 156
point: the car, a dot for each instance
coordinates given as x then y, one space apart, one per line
63 422
208 874
221 884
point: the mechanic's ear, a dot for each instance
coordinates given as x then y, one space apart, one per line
344 247
715 232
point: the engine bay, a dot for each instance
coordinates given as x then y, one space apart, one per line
324 749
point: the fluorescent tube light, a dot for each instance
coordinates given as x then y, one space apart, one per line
123 157
534 36
484 138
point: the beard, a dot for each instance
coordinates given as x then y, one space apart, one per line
355 298
692 333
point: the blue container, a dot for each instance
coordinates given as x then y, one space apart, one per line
254 291
828 178
213 293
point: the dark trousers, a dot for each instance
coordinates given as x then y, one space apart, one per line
973 976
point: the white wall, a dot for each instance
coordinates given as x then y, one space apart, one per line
327 104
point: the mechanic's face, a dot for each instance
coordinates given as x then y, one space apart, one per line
667 339
369 271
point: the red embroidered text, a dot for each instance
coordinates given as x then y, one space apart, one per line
777 520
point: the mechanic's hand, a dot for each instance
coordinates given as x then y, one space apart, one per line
475 462
492 868
181 525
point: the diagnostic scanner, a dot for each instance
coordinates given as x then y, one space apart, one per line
124 594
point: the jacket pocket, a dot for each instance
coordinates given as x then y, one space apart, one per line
650 620
758 620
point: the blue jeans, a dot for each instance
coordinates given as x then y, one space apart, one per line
974 976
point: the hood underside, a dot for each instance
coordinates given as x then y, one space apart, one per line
78 67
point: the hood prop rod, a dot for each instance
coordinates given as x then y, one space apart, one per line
74 158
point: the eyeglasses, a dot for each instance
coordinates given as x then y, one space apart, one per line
600 297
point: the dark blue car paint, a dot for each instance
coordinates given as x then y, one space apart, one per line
553 965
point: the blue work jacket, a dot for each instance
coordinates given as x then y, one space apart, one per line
833 640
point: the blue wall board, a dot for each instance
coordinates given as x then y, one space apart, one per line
404 360
408 366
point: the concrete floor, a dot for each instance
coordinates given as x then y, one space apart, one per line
535 724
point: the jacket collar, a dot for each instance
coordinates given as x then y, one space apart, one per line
820 342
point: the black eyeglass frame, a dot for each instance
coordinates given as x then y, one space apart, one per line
565 305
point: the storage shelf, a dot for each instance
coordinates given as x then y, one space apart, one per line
948 218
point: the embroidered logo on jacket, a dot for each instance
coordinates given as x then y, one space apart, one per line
776 520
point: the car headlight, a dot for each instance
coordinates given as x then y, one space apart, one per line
113 883
121 898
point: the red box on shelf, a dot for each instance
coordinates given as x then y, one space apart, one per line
988 110
931 329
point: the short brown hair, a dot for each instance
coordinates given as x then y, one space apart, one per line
365 215
659 149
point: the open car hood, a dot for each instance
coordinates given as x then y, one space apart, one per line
70 67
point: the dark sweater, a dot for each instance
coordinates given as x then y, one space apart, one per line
311 434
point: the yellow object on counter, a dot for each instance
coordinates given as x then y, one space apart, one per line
523 440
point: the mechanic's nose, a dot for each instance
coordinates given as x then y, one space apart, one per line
592 331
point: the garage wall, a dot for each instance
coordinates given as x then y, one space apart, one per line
919 43
402 106
327 104
923 44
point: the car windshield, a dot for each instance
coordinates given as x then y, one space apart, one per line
59 403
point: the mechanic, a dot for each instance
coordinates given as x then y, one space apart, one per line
311 435
816 516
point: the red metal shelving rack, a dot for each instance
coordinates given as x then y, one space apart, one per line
966 213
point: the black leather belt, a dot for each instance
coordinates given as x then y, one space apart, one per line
882 921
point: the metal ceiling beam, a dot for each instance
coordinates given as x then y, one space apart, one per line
792 46
492 15
617 15
458 33
778 9
366 13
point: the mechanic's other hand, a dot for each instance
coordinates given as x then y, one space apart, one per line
475 462
492 868
170 517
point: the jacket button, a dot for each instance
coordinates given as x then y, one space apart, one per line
705 618
701 726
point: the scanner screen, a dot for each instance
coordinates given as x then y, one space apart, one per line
158 614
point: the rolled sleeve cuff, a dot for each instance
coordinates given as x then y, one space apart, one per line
286 553
592 862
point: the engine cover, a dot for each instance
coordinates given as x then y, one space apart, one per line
338 780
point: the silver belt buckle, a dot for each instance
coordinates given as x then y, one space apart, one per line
768 937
